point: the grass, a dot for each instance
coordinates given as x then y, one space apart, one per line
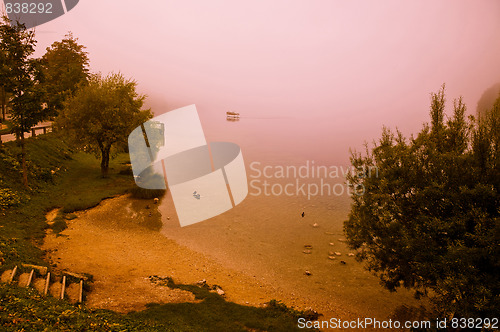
62 178
24 309
59 224
58 178
7 130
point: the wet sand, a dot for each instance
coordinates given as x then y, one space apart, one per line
119 243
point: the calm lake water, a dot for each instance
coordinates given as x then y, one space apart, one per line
265 234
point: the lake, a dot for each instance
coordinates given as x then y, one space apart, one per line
265 235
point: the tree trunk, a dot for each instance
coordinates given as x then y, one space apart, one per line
3 103
23 158
105 160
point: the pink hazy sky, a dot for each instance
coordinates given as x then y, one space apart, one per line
372 62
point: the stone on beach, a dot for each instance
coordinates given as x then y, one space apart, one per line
217 289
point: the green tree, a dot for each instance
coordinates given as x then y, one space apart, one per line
430 220
4 71
21 74
65 67
102 113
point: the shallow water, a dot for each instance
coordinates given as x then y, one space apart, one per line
265 235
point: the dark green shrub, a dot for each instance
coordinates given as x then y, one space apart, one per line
59 225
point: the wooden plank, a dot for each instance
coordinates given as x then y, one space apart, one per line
75 275
30 278
13 274
63 287
80 297
41 269
47 282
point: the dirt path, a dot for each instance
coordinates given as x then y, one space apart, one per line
119 244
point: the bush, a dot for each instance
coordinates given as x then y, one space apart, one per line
59 225
8 198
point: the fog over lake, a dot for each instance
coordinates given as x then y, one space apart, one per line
339 69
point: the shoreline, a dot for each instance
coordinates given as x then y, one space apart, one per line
115 243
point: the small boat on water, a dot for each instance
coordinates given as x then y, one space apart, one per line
232 115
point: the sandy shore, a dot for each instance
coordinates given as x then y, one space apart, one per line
119 243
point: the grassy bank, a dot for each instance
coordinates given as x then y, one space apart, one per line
24 309
58 178
69 180
8 127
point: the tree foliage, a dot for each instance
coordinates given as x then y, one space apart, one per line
430 220
21 77
102 113
4 80
21 74
65 67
